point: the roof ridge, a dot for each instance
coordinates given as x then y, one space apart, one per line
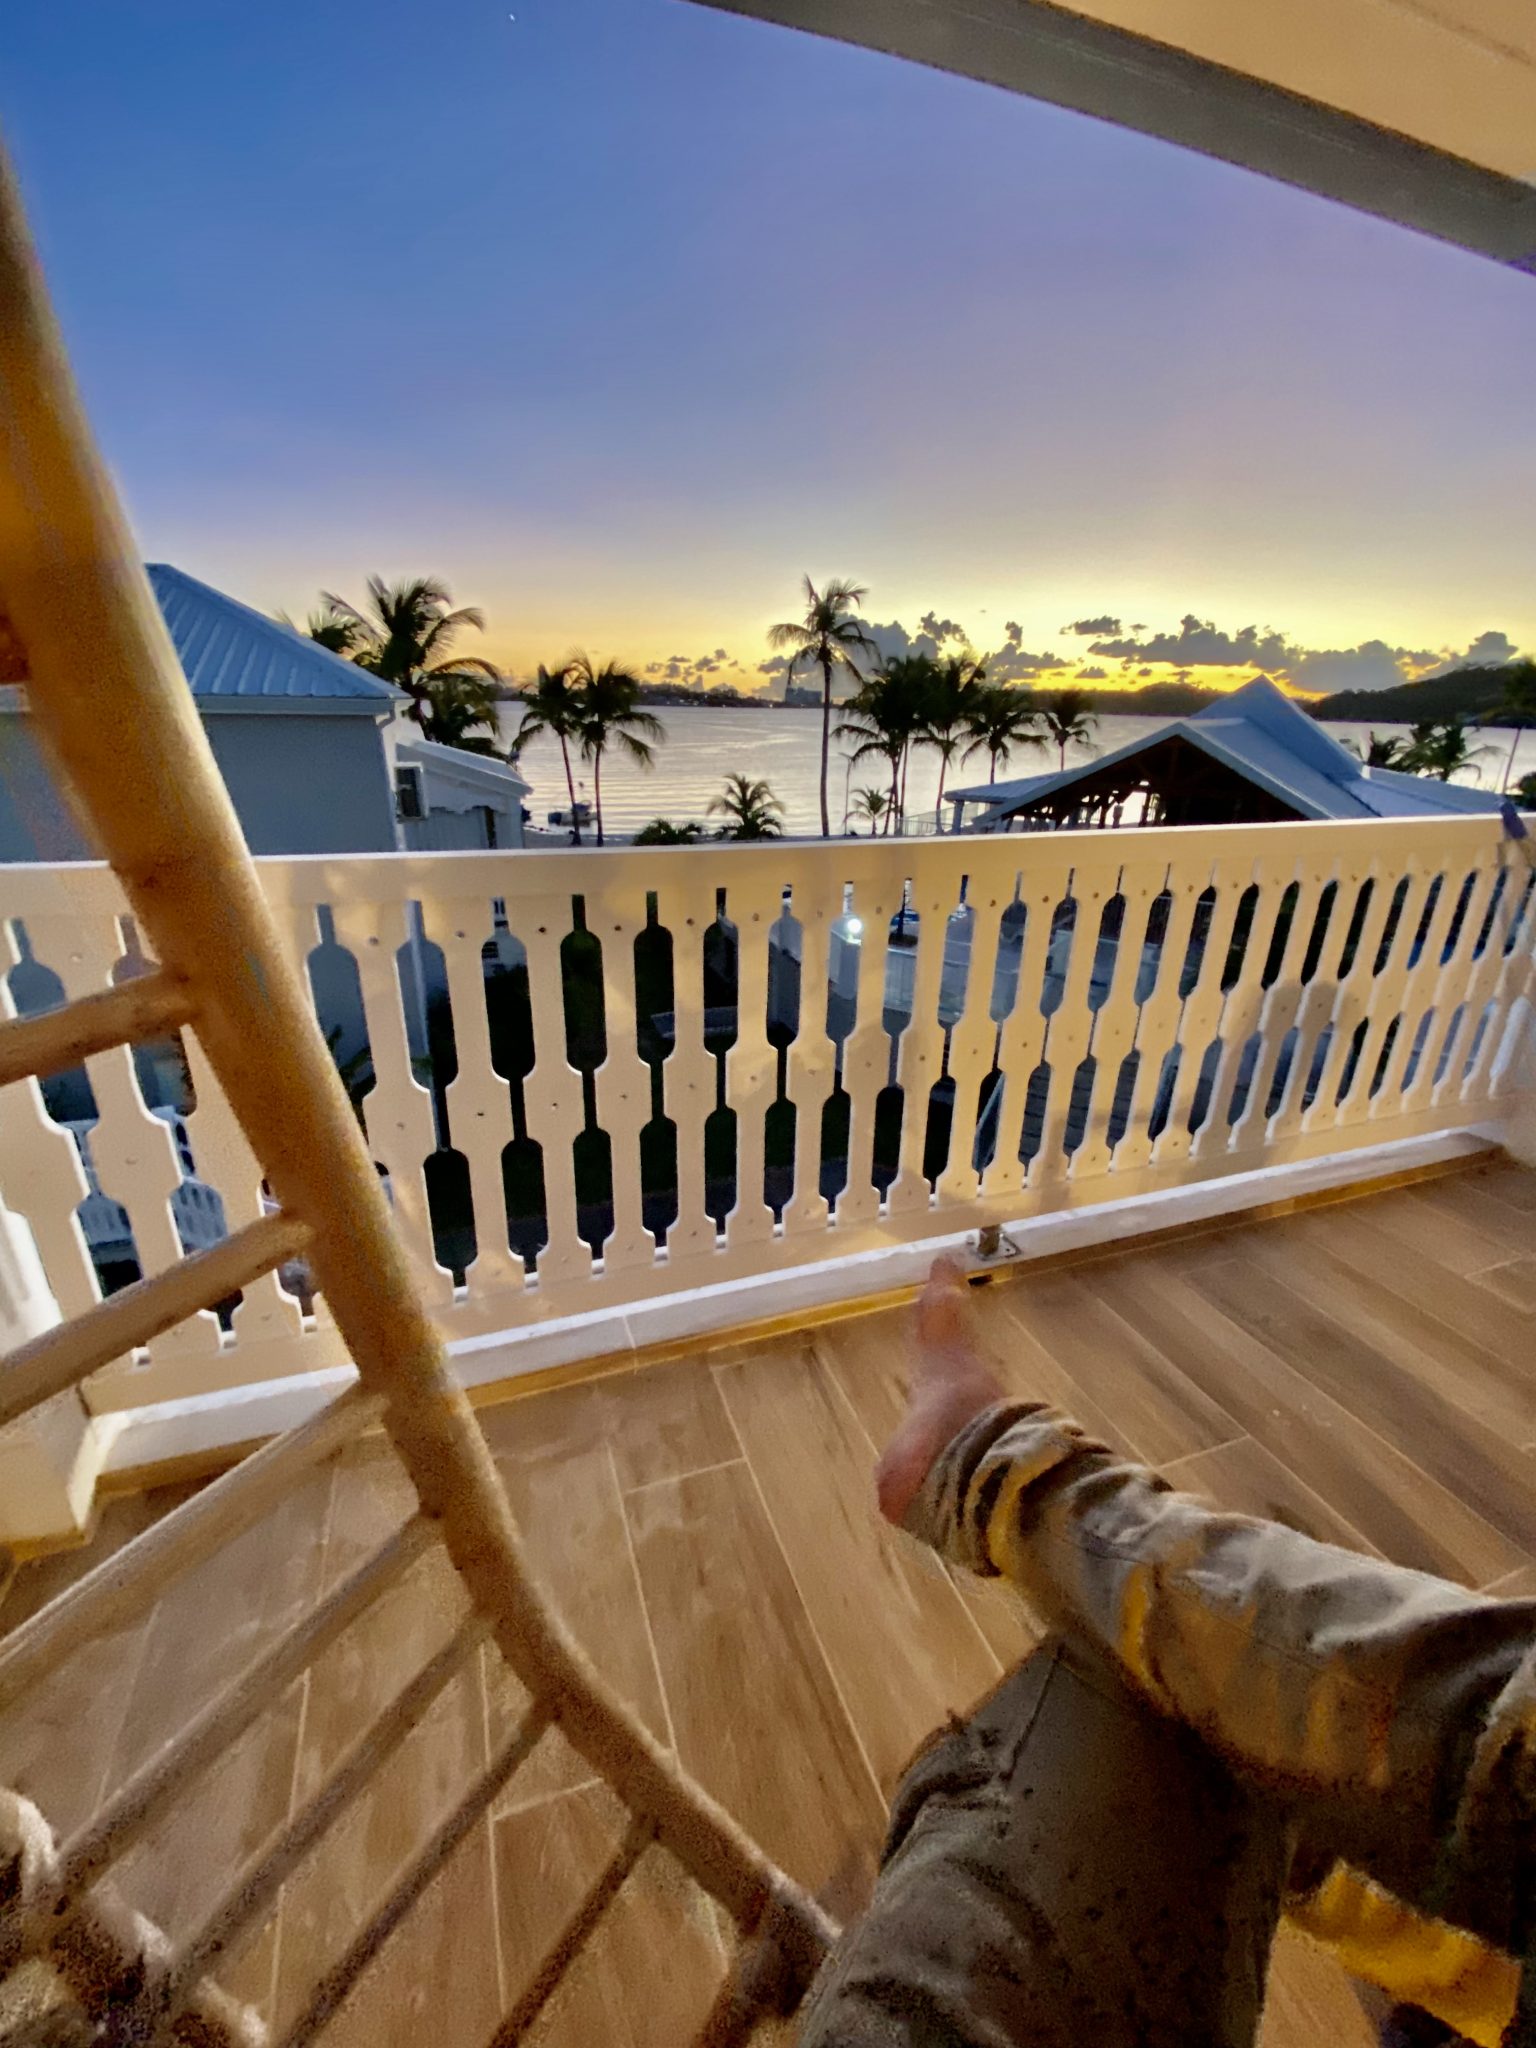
230 650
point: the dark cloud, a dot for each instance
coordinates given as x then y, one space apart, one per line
1373 665
1092 675
1013 662
1016 664
1493 646
1093 628
1199 643
895 642
691 670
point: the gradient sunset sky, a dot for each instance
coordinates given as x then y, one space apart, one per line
621 315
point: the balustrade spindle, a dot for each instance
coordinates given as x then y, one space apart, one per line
1204 1007
970 1048
753 907
867 1048
685 906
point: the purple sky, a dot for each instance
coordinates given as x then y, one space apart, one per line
622 315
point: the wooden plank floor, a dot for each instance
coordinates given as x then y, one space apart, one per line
707 1526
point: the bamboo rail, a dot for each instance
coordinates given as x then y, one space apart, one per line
124 1584
60 1039
115 716
152 1790
232 1918
574 1936
106 1944
338 1981
63 1356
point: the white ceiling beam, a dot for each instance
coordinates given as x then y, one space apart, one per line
1419 111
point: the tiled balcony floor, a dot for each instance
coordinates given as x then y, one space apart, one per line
1360 1370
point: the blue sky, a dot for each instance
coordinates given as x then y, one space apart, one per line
623 314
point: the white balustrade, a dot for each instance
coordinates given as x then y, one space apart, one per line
958 1031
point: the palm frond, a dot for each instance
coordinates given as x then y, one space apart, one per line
790 635
638 750
465 664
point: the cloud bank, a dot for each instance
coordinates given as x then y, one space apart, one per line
1373 665
693 671
1186 653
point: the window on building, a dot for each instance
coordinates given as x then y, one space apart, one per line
408 798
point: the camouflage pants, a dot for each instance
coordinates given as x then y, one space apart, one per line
1066 1869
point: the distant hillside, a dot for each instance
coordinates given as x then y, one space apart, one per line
1153 700
1461 693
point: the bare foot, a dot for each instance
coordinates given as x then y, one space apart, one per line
951 1382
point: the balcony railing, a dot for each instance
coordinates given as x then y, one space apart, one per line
593 1078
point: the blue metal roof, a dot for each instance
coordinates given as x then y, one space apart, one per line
1261 734
227 651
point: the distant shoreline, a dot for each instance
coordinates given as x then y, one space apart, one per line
1107 704
686 700
1472 695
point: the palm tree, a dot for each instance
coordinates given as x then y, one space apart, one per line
750 808
957 693
886 716
1070 721
1440 747
402 635
662 832
827 638
1382 750
610 715
336 631
455 705
1517 706
1005 718
553 706
873 804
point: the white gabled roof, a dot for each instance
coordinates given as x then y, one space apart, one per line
1264 736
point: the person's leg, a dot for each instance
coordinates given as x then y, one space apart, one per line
1067 1867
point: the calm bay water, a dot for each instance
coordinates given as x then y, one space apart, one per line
783 748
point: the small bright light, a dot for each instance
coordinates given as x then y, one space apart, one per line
854 926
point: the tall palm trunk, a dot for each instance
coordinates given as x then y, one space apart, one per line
1509 765
570 784
890 809
938 802
906 754
826 741
597 791
993 776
